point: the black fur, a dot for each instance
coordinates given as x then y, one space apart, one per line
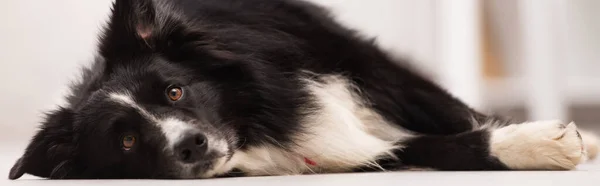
240 62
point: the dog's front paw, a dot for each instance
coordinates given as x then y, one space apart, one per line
592 144
541 145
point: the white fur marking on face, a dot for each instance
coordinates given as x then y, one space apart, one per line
540 145
173 129
126 99
342 134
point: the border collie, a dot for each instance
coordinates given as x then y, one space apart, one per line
207 88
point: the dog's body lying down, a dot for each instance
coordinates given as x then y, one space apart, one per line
206 88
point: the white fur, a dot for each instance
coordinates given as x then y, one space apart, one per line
342 134
591 142
541 145
174 130
126 100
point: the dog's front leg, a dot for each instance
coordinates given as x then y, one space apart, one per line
542 145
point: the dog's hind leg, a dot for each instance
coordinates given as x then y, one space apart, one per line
542 145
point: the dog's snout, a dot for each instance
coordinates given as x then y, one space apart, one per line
192 147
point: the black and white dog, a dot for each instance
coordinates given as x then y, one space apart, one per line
208 88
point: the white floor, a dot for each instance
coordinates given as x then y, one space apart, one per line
587 174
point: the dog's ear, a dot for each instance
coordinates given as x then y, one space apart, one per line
137 16
131 28
49 153
145 26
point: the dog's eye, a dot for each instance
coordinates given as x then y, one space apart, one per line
128 142
174 93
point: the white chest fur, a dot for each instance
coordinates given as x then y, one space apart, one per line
341 135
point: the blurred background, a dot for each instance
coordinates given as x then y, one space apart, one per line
526 59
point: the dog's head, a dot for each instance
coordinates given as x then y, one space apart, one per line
152 106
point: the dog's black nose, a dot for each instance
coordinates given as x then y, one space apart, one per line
192 148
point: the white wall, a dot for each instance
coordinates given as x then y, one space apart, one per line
576 42
42 43
583 38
